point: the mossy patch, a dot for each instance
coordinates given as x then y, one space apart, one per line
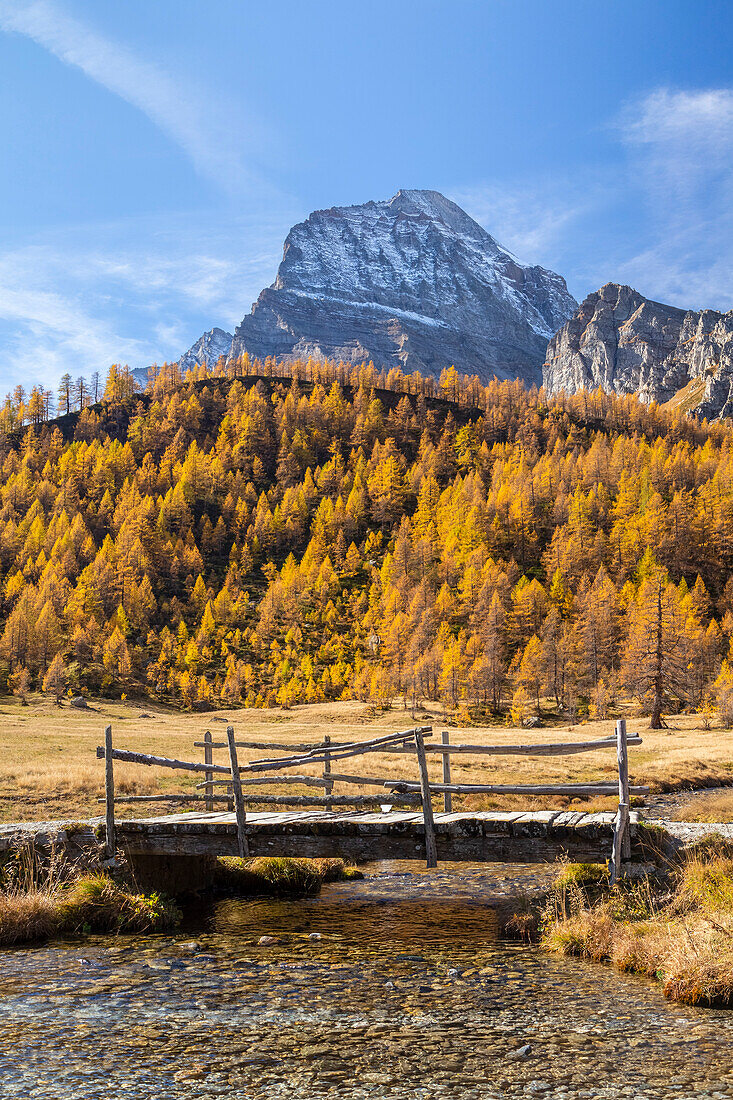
278 875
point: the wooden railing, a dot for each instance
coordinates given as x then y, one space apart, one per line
241 779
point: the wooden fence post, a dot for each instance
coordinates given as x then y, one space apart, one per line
328 786
623 783
242 844
209 759
621 831
109 791
447 797
431 851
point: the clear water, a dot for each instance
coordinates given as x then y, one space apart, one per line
406 994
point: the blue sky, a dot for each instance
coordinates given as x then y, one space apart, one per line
155 155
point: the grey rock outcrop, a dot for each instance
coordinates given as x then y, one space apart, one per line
626 343
207 350
412 282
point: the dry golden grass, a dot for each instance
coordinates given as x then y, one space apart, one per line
92 902
25 918
280 875
48 766
713 807
686 942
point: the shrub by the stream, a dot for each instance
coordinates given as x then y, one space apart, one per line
91 903
680 933
96 903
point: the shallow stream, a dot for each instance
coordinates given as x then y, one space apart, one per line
407 993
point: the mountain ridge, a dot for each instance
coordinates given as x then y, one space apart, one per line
626 343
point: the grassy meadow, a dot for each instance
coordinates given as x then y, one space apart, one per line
49 770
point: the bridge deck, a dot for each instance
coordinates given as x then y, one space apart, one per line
481 836
478 836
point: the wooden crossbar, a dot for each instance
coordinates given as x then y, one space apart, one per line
161 761
303 780
515 788
567 748
267 746
333 752
168 798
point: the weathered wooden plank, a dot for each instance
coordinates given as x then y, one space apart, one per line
317 755
447 796
431 852
565 748
209 759
168 798
109 790
367 780
238 797
335 800
488 788
302 780
624 790
161 761
267 746
327 768
620 827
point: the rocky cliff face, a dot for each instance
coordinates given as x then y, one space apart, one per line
625 343
207 350
412 282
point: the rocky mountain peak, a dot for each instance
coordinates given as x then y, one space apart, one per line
207 350
412 281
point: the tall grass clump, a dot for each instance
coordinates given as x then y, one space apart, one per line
42 896
679 932
95 903
276 875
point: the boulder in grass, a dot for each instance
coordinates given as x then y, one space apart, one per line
79 702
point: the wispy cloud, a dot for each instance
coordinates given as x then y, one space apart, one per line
47 333
532 218
678 122
199 122
133 292
658 215
528 219
680 172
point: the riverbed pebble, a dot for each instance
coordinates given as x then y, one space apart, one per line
521 1052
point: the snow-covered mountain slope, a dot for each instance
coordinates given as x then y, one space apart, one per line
412 282
626 343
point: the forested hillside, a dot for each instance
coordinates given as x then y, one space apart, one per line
339 532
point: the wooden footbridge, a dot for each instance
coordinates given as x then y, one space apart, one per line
397 822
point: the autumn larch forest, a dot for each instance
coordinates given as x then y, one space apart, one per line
272 534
